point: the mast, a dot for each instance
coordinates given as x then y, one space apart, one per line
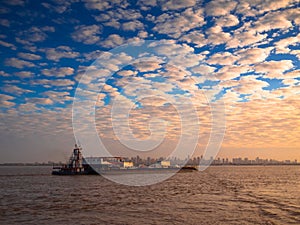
75 162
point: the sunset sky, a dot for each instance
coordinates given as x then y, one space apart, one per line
243 55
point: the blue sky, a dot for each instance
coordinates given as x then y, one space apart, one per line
243 53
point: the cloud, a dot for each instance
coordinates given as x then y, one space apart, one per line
53 83
18 63
204 69
24 74
195 37
4 74
256 121
28 107
34 34
97 5
153 101
256 8
186 61
58 6
170 48
219 7
274 69
112 41
5 22
58 72
227 21
14 2
173 73
287 92
47 126
228 83
118 14
176 4
292 74
231 72
163 87
126 73
5 100
216 36
113 23
40 101
176 24
118 17
147 4
29 56
293 15
147 66
246 9
13 89
58 96
252 55
282 46
132 25
296 53
249 85
111 63
291 82
224 58
92 55
272 5
59 52
272 20
87 34
231 96
8 45
4 10
143 34
243 37
112 91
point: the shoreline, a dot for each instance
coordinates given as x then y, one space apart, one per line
215 165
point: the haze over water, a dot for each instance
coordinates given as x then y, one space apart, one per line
219 195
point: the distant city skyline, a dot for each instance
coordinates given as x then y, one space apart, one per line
195 161
190 67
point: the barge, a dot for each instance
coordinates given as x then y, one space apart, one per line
77 165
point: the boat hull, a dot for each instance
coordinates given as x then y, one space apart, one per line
91 170
87 170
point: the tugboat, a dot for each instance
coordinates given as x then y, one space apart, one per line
75 165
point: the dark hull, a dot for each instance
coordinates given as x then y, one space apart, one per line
66 171
61 172
88 170
188 169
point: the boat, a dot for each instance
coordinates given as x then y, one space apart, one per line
77 165
188 169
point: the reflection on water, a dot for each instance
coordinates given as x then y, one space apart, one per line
219 195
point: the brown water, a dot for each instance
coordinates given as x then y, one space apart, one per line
219 195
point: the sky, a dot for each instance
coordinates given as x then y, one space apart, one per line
151 75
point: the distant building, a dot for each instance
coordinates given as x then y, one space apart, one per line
127 164
165 163
161 164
